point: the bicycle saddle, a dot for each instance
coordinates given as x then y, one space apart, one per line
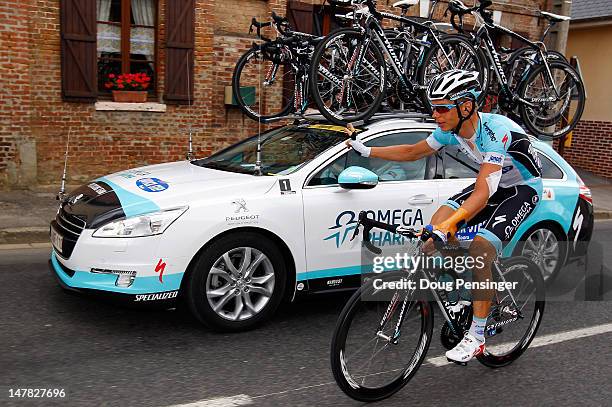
405 4
554 17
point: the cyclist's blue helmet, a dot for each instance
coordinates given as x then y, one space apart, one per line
454 85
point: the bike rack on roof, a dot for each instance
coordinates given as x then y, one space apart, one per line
302 119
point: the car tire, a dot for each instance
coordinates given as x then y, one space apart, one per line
546 246
238 296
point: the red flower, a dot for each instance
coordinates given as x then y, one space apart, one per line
111 75
120 86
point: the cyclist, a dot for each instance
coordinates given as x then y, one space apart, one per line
507 188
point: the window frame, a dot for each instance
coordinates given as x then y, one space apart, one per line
368 138
126 21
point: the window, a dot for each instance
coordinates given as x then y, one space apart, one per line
457 164
98 37
550 170
386 170
126 33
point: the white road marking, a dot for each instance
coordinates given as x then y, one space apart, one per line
545 340
239 400
550 339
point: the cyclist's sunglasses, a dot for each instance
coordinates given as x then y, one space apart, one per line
441 109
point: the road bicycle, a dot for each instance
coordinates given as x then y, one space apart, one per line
353 68
270 80
384 331
548 98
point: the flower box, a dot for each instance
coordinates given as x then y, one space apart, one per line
130 96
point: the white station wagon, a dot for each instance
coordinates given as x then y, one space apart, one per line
233 238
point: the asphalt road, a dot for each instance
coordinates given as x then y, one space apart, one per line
103 354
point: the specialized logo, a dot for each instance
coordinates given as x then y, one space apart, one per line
499 219
152 184
160 268
240 205
505 140
507 168
156 297
577 225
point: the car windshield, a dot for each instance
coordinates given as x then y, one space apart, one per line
283 150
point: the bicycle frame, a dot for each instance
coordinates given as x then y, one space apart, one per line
436 298
483 35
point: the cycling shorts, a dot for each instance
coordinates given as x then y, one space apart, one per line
506 210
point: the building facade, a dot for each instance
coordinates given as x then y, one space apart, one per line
56 55
589 38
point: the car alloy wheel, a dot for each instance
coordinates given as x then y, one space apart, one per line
240 283
542 246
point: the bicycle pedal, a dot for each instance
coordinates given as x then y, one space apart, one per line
456 362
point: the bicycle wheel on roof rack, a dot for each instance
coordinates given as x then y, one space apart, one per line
263 88
342 93
555 106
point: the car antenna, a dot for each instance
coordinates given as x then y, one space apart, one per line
189 156
257 169
62 192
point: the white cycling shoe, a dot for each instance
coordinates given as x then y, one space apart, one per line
468 348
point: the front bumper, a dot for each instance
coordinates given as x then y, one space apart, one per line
144 291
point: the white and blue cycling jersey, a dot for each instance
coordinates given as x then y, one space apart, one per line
497 140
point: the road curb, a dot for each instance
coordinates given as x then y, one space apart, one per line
24 235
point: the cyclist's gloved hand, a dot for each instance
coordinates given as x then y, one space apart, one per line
429 247
356 145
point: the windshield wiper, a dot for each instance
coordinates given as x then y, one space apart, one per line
215 165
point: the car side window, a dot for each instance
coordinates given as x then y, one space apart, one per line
393 170
329 174
386 170
550 170
457 164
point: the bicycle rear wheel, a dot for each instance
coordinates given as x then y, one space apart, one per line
552 116
262 88
456 52
342 95
512 325
368 362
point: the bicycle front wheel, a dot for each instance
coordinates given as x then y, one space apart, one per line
371 358
347 77
557 99
262 88
515 313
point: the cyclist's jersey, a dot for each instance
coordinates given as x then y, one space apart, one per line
498 140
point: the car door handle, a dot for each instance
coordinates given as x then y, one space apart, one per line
420 200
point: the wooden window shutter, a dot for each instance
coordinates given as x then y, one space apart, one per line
300 16
78 50
180 41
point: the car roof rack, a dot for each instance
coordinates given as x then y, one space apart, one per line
317 117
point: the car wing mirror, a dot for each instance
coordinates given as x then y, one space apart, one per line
357 178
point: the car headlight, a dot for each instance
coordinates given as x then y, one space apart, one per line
149 224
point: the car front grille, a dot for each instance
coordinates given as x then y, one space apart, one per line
70 227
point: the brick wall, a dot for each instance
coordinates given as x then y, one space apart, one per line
590 147
35 122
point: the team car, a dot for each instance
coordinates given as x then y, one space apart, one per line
234 234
